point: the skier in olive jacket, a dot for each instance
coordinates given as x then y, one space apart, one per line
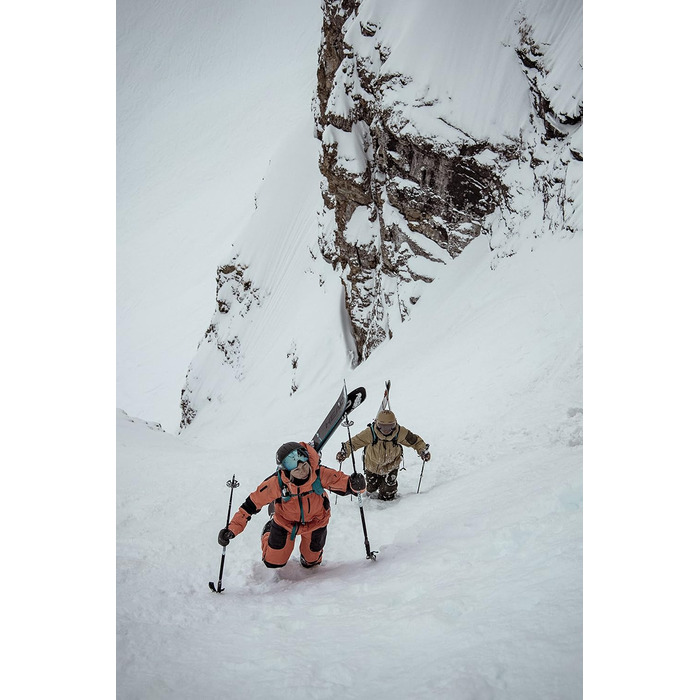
382 441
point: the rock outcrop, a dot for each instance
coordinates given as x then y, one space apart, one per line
402 200
235 294
434 129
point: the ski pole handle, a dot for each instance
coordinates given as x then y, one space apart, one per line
348 423
427 447
232 484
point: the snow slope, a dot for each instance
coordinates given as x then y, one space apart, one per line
477 588
292 335
641 361
206 92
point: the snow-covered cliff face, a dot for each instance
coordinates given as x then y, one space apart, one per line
440 122
435 123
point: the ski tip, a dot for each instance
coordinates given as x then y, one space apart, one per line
356 397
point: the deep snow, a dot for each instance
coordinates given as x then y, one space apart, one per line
477 588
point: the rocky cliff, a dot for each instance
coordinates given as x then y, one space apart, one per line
436 123
405 186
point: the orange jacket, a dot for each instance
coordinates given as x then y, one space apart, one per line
300 509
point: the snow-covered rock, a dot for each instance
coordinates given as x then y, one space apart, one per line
439 124
431 128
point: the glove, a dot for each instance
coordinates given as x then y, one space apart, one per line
357 482
225 536
341 455
425 455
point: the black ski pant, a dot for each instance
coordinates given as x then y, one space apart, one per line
386 484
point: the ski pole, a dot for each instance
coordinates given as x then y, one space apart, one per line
232 484
370 554
427 447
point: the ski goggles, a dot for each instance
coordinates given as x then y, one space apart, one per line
386 428
290 461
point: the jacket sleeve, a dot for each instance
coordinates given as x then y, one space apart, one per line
335 481
362 439
409 439
267 492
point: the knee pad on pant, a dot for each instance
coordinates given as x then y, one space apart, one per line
318 539
276 546
278 536
311 548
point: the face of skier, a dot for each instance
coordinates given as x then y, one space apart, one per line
386 428
302 470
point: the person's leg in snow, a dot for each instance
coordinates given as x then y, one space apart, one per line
389 485
276 545
373 481
311 547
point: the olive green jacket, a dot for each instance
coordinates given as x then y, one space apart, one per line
385 455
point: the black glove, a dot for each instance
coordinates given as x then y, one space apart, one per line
357 482
225 536
425 455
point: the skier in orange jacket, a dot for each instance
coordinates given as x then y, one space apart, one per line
302 507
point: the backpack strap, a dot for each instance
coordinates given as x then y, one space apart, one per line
374 435
284 490
316 487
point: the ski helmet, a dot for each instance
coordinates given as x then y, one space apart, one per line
289 454
386 422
